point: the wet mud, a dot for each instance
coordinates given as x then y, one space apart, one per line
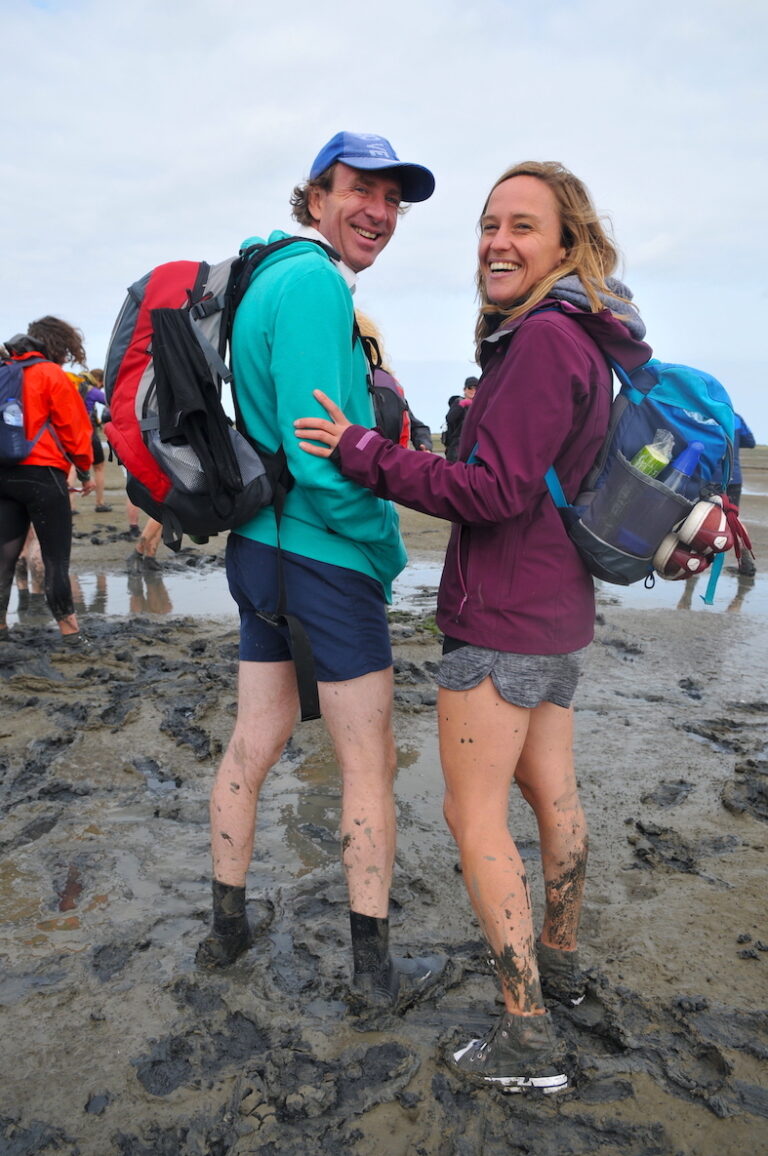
115 1043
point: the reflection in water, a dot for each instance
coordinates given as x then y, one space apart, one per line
744 583
97 603
179 589
148 594
146 589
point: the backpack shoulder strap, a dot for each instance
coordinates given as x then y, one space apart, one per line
555 488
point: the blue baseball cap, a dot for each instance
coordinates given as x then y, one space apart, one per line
367 151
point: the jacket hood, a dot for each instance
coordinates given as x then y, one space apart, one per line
612 336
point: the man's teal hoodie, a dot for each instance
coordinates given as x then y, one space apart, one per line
293 334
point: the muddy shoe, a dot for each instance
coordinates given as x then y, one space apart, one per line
398 984
218 950
561 976
75 643
519 1054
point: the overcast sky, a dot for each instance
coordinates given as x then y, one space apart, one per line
159 129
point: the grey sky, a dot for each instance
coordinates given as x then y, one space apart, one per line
175 128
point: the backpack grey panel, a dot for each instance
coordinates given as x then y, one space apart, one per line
183 466
122 332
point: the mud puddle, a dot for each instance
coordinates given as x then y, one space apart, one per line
197 587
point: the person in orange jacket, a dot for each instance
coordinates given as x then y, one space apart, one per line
34 491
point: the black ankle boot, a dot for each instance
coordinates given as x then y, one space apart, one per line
381 981
230 934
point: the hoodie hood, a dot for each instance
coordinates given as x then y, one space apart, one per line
618 339
571 289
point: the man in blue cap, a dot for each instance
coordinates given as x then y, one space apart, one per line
339 550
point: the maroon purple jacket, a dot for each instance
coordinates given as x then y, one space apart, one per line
512 579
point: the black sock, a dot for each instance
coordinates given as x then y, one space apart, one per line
228 909
370 942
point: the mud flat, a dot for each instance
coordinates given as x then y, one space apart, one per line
113 1042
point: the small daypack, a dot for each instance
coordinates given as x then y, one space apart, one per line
14 444
622 515
390 408
393 418
188 466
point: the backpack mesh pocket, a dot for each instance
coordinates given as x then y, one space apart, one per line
632 511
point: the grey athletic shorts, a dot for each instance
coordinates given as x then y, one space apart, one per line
521 679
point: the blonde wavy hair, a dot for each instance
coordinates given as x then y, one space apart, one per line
589 249
370 332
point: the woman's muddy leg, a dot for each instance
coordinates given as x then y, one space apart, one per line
547 779
481 737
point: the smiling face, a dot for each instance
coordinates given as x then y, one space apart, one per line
357 216
520 239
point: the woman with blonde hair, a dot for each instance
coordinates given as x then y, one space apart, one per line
394 416
516 604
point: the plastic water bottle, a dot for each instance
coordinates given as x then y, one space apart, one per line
12 414
677 475
652 458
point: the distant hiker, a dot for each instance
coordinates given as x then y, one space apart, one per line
421 434
92 392
454 419
340 548
516 603
34 491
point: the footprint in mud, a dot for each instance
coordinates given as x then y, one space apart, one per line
662 848
110 959
176 723
729 734
627 649
668 794
692 688
747 793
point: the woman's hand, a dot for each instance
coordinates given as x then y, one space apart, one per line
321 430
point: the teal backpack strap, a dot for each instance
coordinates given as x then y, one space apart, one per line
555 489
714 574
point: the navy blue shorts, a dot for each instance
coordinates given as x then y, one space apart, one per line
343 612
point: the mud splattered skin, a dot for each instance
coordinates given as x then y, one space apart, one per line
519 979
564 900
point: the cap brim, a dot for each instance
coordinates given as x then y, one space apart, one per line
416 182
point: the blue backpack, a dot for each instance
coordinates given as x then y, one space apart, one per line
14 444
621 515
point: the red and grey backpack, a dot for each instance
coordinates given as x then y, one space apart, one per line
188 466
